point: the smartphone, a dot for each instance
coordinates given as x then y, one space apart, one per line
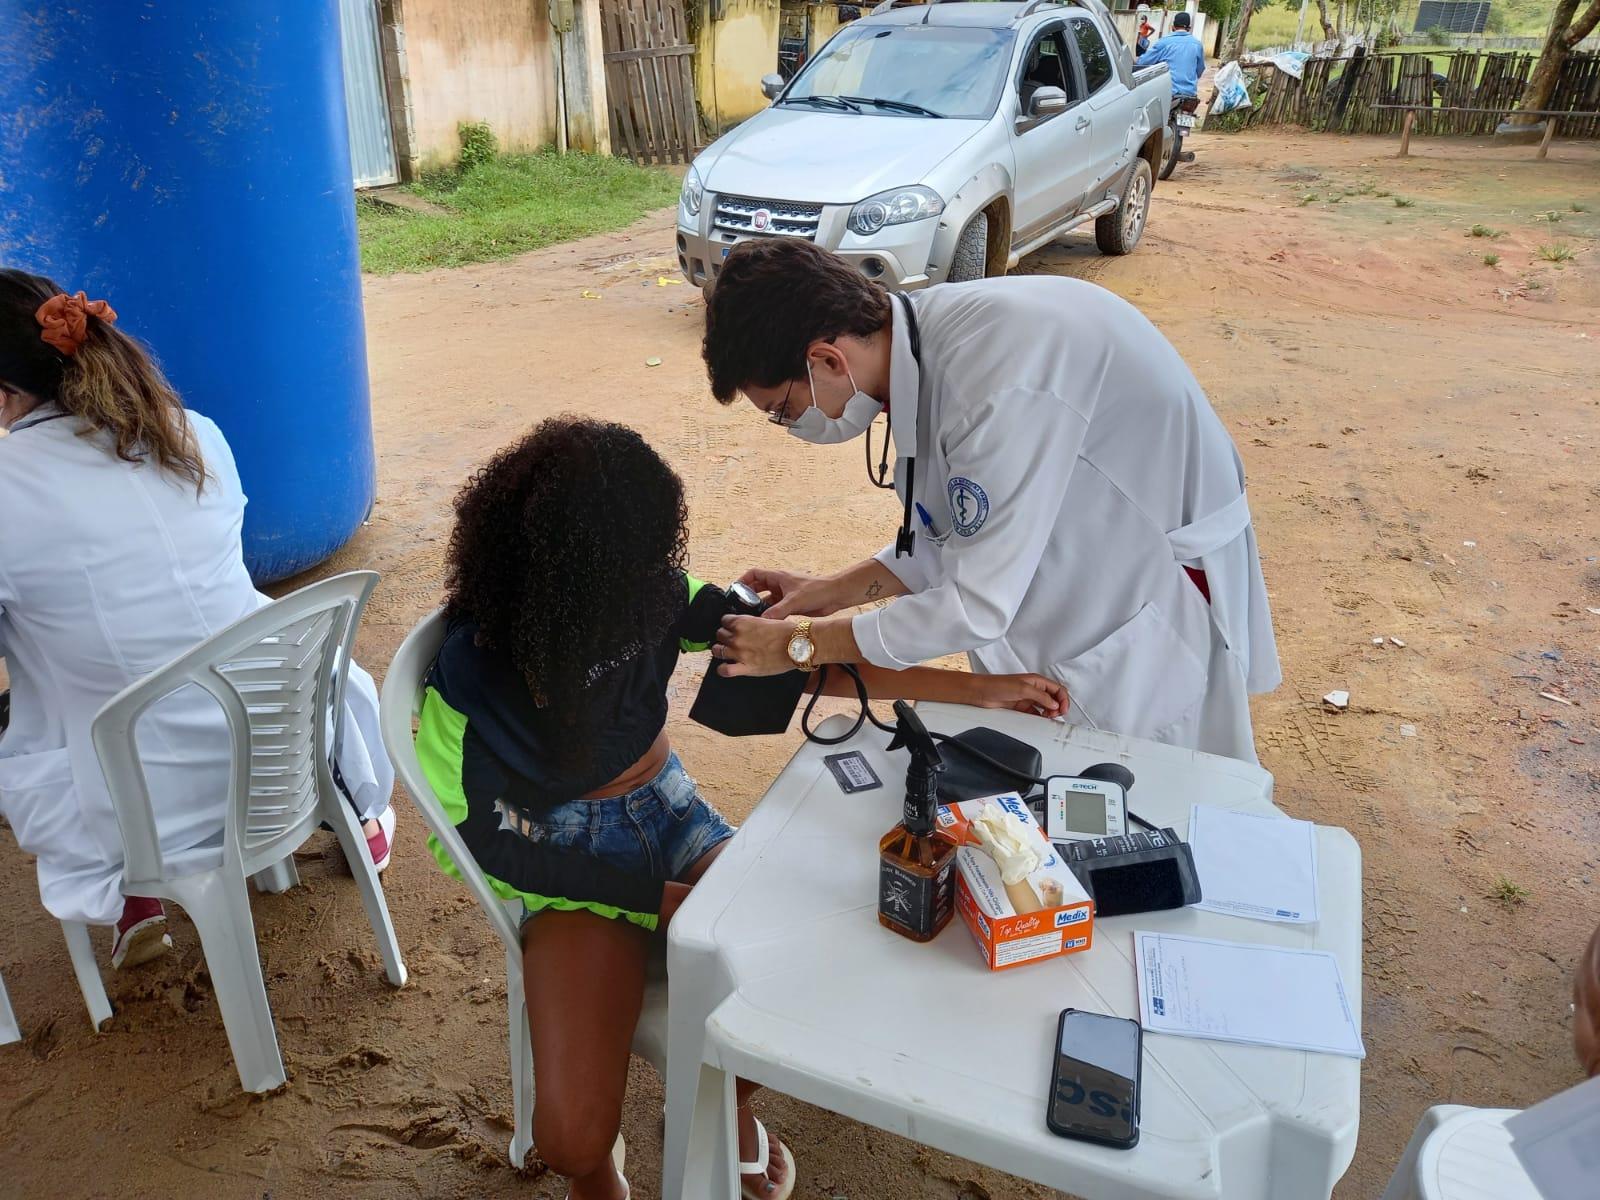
1094 1091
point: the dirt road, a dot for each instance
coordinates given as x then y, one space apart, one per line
1420 432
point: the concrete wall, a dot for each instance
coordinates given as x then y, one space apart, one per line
732 56
1161 21
824 24
479 60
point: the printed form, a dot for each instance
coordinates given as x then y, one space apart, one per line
1239 992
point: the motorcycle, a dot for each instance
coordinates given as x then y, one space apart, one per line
1180 121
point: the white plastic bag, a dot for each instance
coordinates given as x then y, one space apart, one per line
1231 92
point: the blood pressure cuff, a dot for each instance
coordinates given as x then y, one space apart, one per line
747 704
967 778
1134 873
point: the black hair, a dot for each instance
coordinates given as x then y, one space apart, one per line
568 554
774 297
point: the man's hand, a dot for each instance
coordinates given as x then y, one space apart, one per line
1033 694
794 595
753 646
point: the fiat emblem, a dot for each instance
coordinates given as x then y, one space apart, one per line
761 219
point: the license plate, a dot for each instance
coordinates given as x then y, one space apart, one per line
1185 120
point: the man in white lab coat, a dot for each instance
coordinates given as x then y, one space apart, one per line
1071 505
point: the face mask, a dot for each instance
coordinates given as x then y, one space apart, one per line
816 427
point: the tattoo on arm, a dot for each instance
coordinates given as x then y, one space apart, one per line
874 590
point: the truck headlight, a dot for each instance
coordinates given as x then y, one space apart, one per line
693 194
894 208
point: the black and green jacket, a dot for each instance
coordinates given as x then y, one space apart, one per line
487 748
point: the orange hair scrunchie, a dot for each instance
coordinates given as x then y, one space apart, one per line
64 320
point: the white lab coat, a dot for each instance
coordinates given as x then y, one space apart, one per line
1071 466
108 570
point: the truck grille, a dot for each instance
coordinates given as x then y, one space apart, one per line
776 218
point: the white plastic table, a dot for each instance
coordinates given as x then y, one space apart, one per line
780 973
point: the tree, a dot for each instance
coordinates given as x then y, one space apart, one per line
1243 27
1567 29
1330 31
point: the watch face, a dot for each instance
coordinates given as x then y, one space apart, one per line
799 648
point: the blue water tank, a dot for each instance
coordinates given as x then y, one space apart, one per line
188 160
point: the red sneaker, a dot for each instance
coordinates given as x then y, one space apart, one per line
380 845
141 932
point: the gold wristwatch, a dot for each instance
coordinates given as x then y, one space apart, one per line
801 647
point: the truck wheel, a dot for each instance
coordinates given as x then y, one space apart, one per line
1119 231
972 251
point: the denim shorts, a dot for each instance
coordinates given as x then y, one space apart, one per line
661 829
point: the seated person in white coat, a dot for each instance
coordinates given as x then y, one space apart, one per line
1069 502
119 550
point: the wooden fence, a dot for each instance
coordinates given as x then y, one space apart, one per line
649 62
1337 95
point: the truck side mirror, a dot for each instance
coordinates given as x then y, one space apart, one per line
1046 102
772 86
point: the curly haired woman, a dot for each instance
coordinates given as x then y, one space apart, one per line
120 550
543 732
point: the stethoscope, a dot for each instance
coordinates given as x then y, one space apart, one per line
905 542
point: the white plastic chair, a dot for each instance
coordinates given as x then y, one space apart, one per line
89 983
8 1020
274 676
87 970
399 705
1461 1153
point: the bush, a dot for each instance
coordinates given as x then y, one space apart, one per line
478 144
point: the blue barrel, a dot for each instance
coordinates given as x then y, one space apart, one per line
189 161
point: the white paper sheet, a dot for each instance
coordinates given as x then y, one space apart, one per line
1558 1143
1254 866
1239 992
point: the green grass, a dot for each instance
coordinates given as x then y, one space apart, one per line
508 206
1579 208
1558 253
1275 26
1491 260
1483 231
1404 202
1510 895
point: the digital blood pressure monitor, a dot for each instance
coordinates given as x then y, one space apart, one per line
1076 809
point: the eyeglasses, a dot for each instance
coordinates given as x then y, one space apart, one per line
779 413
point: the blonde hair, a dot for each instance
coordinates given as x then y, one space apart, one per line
110 383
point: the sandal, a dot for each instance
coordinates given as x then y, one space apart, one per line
619 1156
759 1166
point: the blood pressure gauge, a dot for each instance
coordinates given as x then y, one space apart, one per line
743 600
1076 809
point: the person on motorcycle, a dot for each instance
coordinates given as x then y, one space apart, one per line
1184 55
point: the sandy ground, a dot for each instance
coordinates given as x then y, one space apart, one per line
1420 432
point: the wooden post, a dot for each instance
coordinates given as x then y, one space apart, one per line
1549 132
1405 132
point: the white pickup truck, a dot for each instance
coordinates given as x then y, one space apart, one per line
940 142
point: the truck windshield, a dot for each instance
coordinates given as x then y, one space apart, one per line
949 72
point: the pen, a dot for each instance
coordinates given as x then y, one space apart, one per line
927 521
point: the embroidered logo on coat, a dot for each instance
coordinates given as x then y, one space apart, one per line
969 505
